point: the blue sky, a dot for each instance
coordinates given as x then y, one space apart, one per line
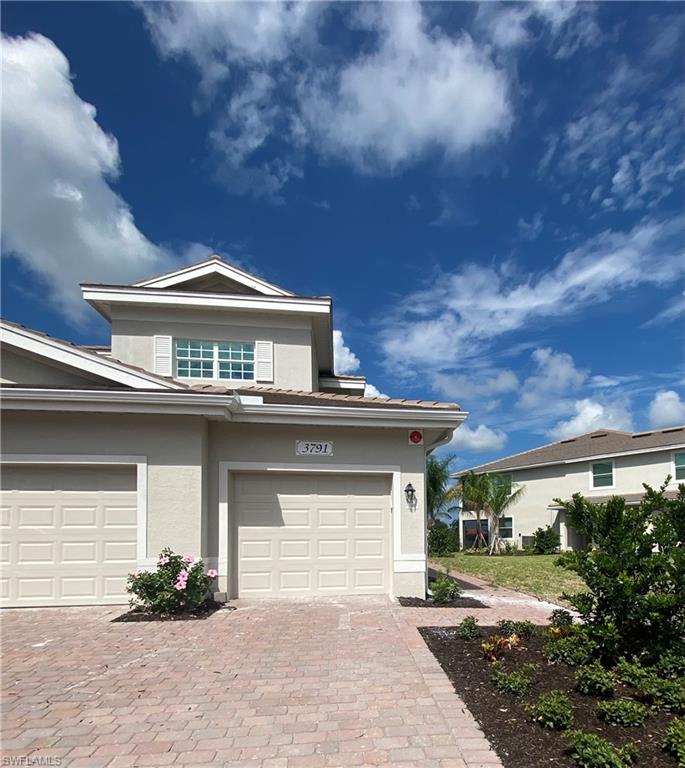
492 193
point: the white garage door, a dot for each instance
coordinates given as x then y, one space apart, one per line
311 534
68 534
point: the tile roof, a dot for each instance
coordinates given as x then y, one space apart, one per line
297 397
601 442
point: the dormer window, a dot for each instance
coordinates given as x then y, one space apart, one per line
233 360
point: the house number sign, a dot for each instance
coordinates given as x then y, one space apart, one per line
313 448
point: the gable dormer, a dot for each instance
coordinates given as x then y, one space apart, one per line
214 323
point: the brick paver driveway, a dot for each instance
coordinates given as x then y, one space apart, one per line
315 683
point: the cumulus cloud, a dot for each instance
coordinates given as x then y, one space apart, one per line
344 359
486 385
592 415
409 89
667 409
479 440
371 391
556 374
61 218
461 313
418 90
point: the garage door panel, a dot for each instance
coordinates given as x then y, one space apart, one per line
67 547
319 534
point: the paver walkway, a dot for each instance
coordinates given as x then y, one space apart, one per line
272 684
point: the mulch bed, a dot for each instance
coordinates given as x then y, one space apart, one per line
460 602
519 741
199 614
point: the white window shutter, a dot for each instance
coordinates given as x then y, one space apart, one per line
163 356
264 360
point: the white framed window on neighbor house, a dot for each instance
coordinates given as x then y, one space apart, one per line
602 474
234 360
679 466
506 528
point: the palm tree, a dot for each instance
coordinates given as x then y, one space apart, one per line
502 495
438 490
474 491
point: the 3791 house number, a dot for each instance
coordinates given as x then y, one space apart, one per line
313 448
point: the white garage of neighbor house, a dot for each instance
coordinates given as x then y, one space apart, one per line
213 424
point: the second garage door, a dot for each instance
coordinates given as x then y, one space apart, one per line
68 534
311 534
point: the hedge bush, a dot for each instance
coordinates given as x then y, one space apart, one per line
442 540
546 541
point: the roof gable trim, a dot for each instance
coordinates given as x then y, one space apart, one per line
213 266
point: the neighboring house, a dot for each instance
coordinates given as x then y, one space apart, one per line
214 425
598 464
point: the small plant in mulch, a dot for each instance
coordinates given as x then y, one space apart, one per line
666 694
575 649
560 617
468 629
517 683
589 750
445 589
552 710
675 740
524 629
178 585
622 712
495 646
594 680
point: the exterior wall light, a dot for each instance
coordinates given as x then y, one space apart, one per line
410 495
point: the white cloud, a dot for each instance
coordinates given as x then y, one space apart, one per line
418 90
471 385
371 391
61 218
344 359
530 230
592 415
461 313
479 440
667 409
410 89
556 374
674 310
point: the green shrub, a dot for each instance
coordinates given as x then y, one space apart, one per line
444 589
495 646
561 618
517 683
591 751
594 680
546 541
662 693
675 740
178 584
622 712
442 540
671 664
634 569
552 710
468 629
507 628
575 649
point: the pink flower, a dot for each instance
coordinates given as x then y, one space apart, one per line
212 573
188 558
163 560
180 585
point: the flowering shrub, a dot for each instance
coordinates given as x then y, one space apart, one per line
178 584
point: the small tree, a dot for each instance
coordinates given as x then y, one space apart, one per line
546 541
634 569
439 492
474 491
502 495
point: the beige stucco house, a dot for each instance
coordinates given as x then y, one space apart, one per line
599 464
214 424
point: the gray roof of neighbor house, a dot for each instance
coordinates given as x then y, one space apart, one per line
601 442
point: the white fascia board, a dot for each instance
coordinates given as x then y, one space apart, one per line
214 267
84 400
411 418
99 296
593 457
340 382
88 362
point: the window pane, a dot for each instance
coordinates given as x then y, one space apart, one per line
602 480
236 351
602 468
506 527
238 371
680 459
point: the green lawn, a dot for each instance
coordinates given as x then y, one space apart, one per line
533 574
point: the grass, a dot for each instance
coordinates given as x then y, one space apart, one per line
533 574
